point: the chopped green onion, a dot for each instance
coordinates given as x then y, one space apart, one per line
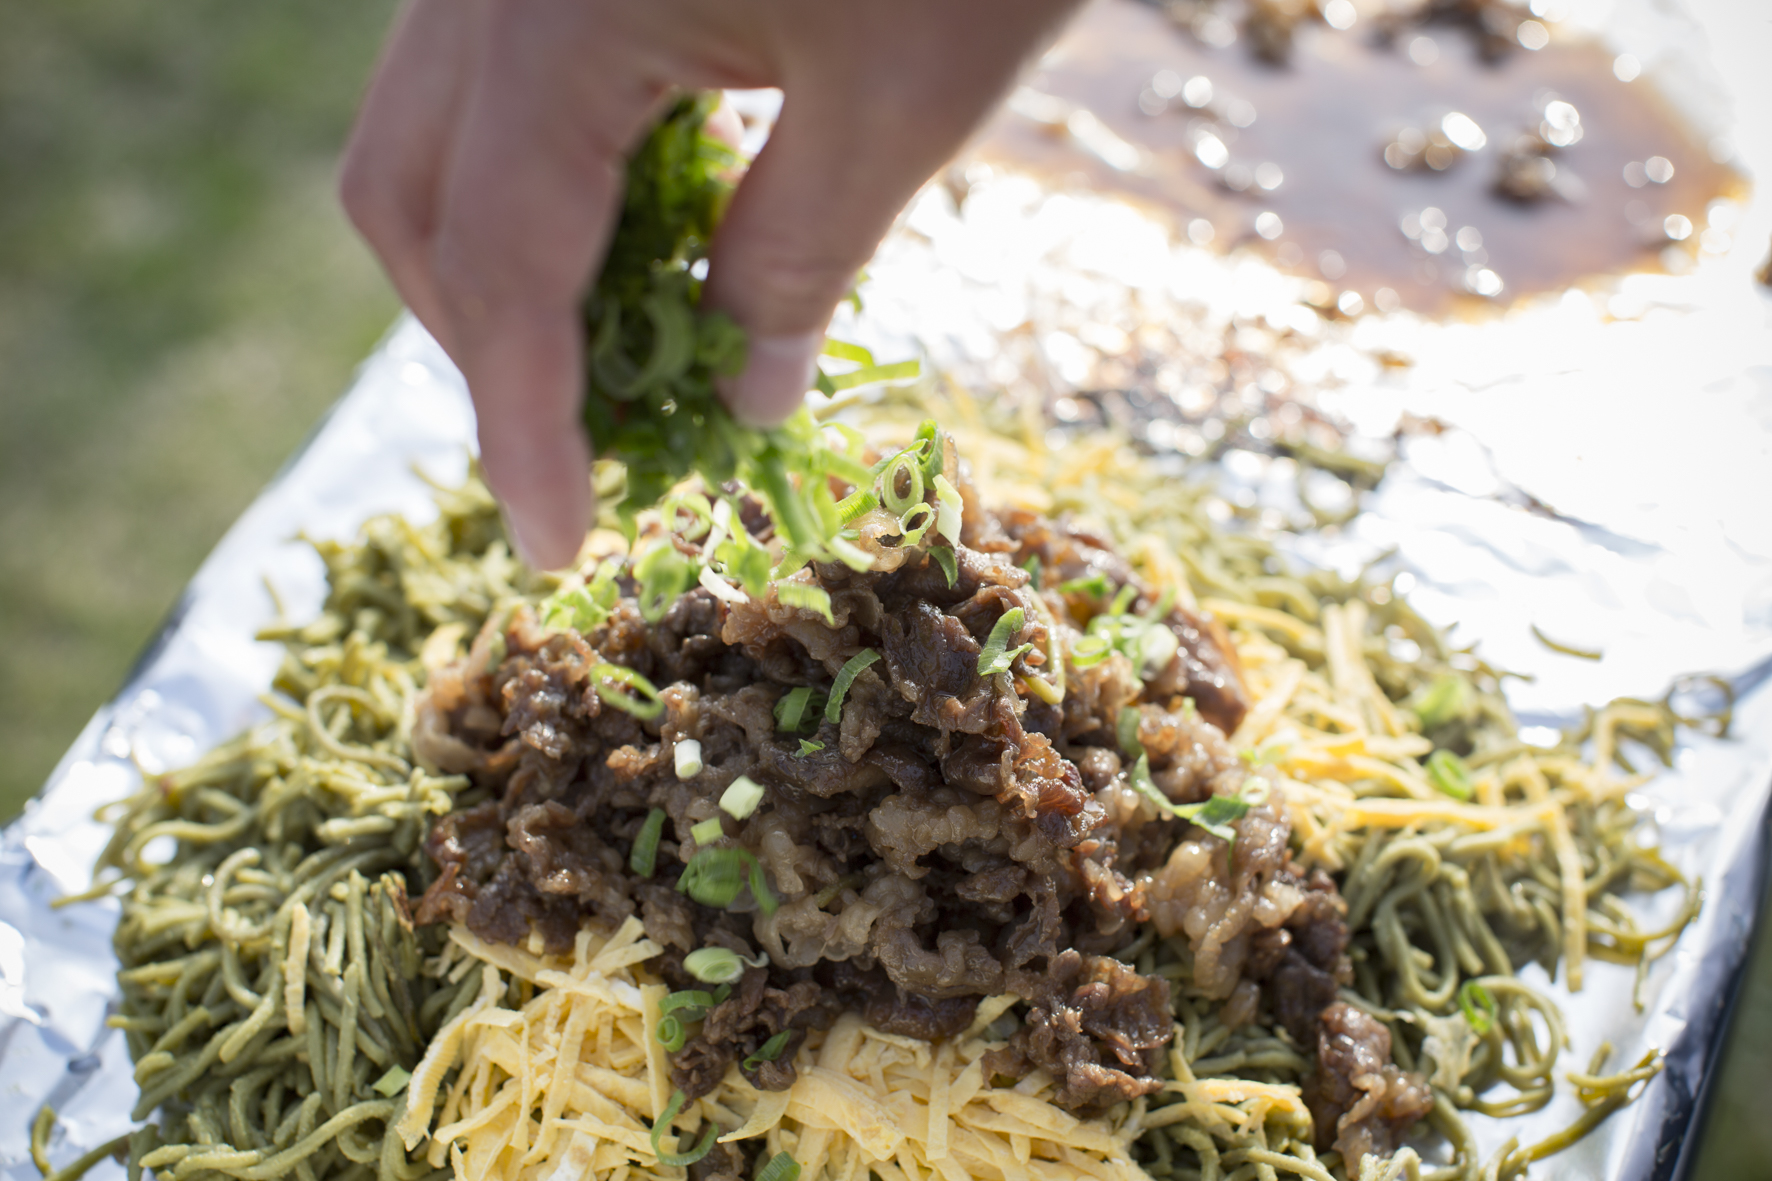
844 351
1160 609
1089 651
947 515
714 877
715 585
693 1003
807 596
1126 730
1157 646
852 668
1123 600
699 511
923 516
688 758
663 574
1446 697
769 1051
741 797
1478 1006
856 504
1140 779
790 709
1215 813
869 374
935 454
996 658
670 1033
390 1084
1094 585
1448 772
626 690
680 1160
1032 566
744 560
719 965
781 1167
807 746
850 554
904 466
706 832
644 859
585 607
949 565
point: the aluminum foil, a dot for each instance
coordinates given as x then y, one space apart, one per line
1598 466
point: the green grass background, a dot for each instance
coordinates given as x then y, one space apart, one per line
180 299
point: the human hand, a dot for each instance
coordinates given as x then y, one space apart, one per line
486 171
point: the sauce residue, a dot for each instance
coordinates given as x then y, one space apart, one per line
1374 165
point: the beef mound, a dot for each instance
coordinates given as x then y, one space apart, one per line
954 836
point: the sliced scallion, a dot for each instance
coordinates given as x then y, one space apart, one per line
687 757
741 797
944 558
996 657
1448 772
769 1051
715 877
781 1167
1094 585
644 859
708 831
626 690
856 504
852 668
915 523
680 1160
1089 651
948 510
720 965
904 469
1478 1006
807 596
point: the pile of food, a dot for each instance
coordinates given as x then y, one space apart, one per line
1001 816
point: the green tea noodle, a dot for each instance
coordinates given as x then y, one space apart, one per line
274 992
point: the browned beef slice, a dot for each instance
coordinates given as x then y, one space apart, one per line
1360 1102
1204 668
468 846
738 1026
1096 1026
886 1008
1309 964
725 1162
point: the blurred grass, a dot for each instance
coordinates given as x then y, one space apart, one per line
180 300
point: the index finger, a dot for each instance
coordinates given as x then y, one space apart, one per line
529 201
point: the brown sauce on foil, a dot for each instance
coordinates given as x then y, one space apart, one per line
1292 158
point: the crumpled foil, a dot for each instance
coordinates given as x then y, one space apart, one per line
1598 466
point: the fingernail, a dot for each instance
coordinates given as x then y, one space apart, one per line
778 372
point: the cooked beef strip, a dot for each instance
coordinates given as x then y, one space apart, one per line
953 838
1095 1025
1360 1102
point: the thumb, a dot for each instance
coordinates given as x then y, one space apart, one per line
869 114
